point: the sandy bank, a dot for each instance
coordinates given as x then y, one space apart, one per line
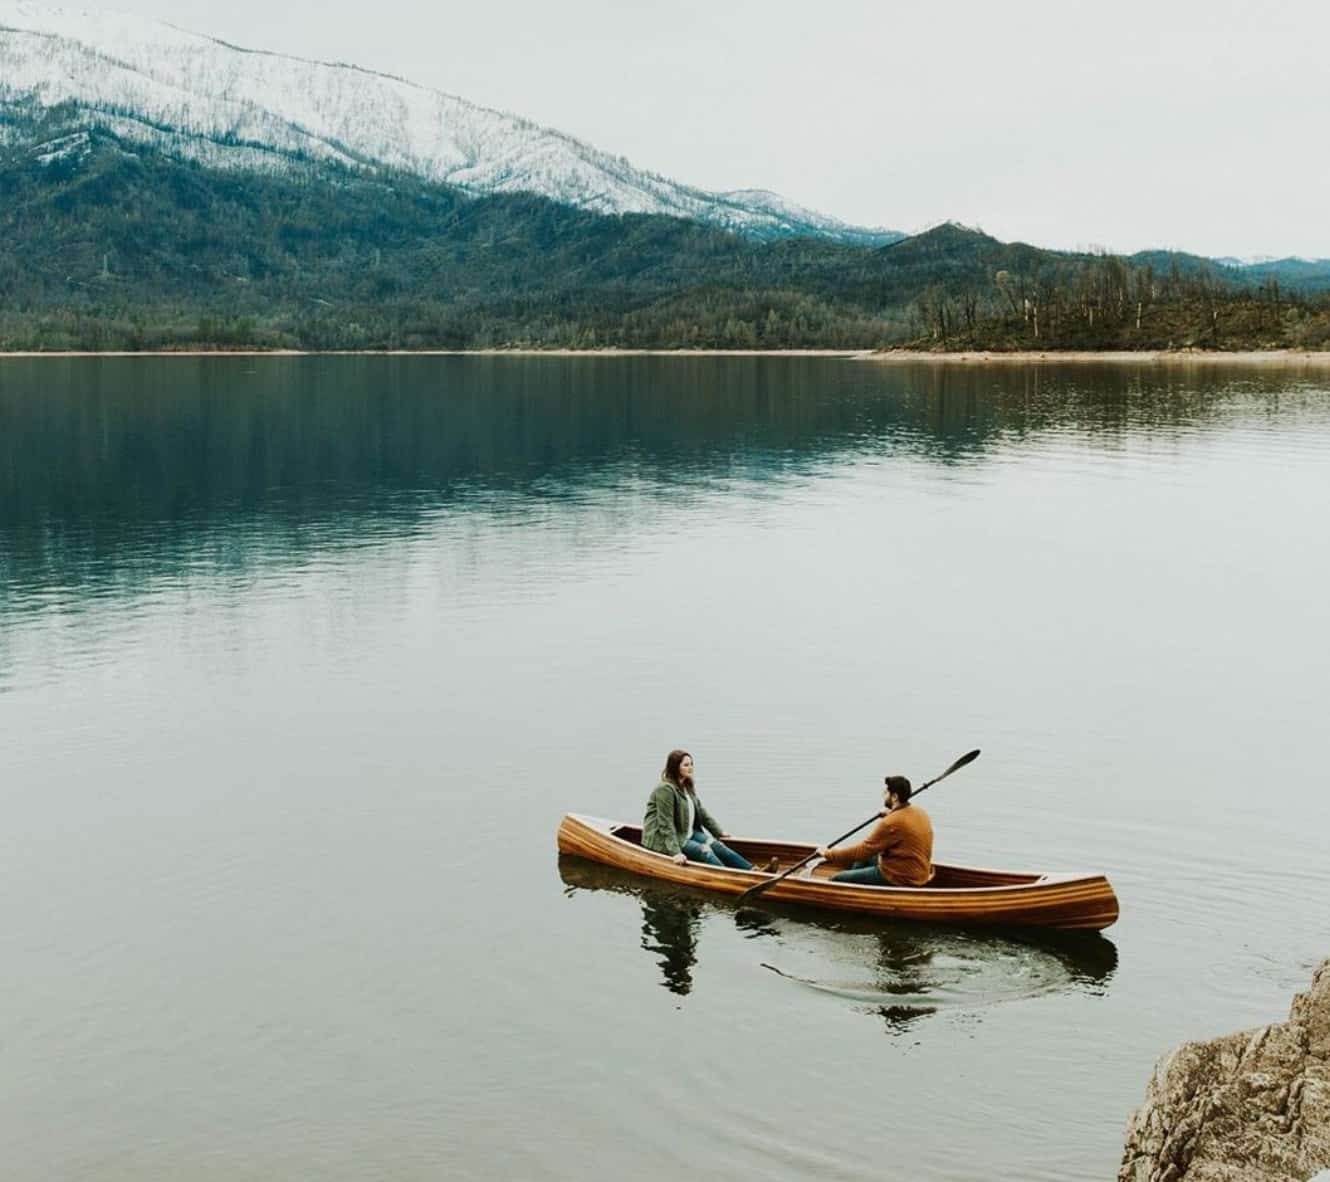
1287 357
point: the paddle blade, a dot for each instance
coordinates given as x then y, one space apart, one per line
968 757
753 891
750 893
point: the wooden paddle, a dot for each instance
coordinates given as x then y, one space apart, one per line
753 891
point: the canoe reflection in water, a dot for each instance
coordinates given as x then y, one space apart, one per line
902 972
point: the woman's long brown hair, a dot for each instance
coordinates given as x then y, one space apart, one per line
671 772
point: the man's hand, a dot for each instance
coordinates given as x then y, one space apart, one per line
823 852
679 859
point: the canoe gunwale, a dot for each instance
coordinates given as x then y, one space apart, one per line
1034 879
1059 900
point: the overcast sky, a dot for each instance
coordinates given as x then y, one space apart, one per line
1201 125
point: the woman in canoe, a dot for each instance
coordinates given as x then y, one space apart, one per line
677 824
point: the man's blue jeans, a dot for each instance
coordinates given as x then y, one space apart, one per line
717 853
863 873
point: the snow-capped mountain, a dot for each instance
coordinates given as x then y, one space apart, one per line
1267 260
202 99
1296 271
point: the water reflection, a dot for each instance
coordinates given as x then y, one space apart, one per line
900 972
911 971
117 469
669 931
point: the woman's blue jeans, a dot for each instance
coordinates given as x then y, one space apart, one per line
863 873
717 853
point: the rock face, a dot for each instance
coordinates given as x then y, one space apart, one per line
1248 1107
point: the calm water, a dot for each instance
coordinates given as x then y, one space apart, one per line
301 660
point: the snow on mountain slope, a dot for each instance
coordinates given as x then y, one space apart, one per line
1268 260
229 107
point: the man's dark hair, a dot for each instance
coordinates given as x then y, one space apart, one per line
900 786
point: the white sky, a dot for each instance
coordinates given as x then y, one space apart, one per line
1200 125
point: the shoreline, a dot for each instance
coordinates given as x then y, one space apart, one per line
888 357
1115 356
834 353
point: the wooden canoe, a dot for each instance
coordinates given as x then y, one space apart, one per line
957 894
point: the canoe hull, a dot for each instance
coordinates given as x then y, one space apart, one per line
959 894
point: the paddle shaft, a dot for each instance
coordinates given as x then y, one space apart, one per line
753 891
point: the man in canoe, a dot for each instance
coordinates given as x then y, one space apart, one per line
898 850
677 824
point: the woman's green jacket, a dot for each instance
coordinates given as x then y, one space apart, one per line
665 827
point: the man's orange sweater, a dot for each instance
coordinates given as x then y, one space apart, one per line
903 843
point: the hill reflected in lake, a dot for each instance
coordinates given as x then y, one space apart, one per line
119 469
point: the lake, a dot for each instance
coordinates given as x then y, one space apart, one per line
302 660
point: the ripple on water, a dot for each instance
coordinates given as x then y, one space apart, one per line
912 973
903 971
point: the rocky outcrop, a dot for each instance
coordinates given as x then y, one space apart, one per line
1248 1107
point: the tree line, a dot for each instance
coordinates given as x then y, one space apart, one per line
114 246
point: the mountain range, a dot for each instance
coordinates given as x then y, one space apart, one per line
201 99
226 107
163 189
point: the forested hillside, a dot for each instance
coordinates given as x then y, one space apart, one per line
107 247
